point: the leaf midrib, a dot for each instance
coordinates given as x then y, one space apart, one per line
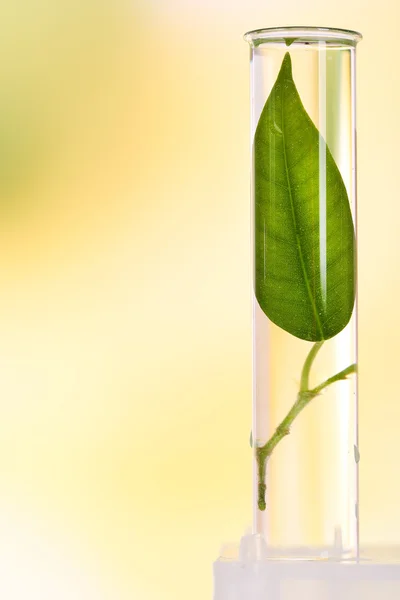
300 250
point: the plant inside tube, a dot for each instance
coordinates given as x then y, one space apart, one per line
304 240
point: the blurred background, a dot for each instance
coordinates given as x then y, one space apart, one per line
125 317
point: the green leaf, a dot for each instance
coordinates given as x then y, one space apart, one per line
304 233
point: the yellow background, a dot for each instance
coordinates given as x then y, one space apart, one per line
125 342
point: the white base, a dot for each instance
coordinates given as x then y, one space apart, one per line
251 576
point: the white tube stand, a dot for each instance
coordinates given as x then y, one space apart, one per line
253 575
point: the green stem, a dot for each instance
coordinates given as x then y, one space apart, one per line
304 397
341 375
305 374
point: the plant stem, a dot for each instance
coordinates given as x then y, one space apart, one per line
305 374
304 397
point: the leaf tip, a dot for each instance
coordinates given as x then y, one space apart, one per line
287 65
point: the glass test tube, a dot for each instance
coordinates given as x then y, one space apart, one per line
304 433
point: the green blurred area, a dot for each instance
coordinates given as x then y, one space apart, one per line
61 67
